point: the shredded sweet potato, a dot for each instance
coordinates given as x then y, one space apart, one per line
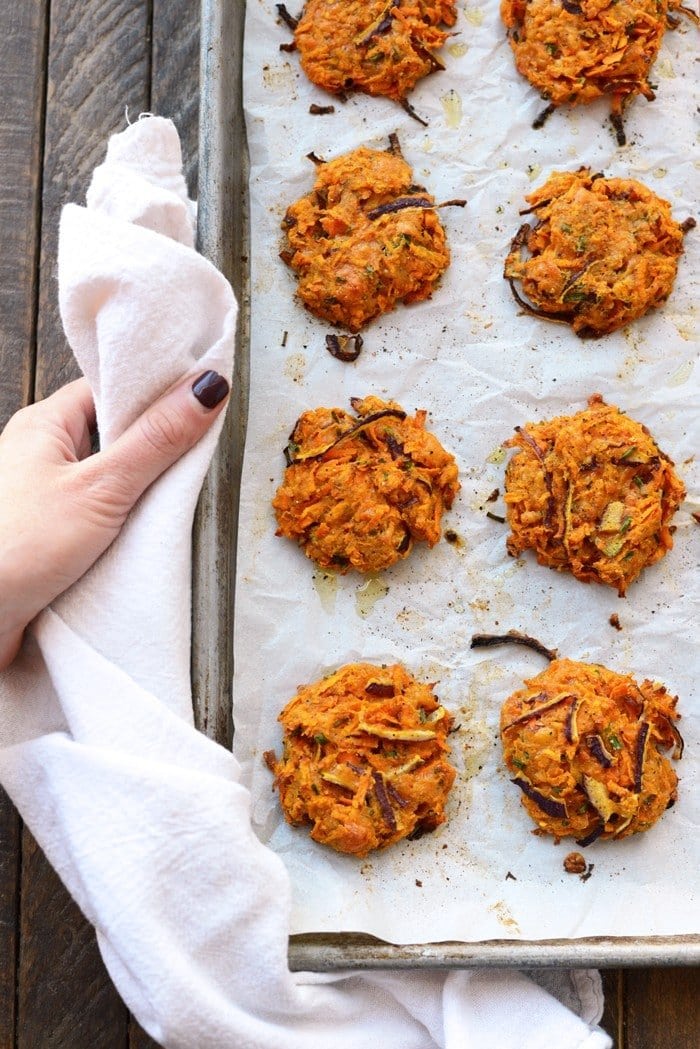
380 47
603 251
364 759
360 490
364 239
574 51
591 494
584 745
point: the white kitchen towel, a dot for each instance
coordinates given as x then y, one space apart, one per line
144 818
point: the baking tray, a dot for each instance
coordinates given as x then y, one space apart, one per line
223 231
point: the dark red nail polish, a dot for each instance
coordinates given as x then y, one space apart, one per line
210 389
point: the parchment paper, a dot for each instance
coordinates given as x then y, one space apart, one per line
481 369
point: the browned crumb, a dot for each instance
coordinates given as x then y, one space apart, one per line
574 863
615 621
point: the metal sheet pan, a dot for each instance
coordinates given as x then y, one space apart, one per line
224 239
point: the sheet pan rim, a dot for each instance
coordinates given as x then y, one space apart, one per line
222 138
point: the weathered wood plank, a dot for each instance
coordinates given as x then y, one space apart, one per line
22 60
138 1039
612 1020
175 74
22 57
65 999
99 63
9 913
662 1008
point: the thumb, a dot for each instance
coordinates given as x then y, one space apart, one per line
164 432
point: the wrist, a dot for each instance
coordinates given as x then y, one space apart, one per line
14 611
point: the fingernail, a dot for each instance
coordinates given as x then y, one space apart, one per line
210 389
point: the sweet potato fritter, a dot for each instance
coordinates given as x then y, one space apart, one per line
603 252
364 759
360 490
380 47
364 239
584 746
591 494
574 51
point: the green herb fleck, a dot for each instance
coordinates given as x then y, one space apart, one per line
612 549
575 295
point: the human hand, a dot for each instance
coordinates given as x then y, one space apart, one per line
61 506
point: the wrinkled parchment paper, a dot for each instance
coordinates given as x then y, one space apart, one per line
481 369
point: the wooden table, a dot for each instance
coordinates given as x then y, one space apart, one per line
67 72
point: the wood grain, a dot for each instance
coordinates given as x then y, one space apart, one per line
99 64
23 42
613 1017
9 910
175 75
65 1000
662 1009
138 1039
22 59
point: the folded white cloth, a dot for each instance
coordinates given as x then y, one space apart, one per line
144 818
